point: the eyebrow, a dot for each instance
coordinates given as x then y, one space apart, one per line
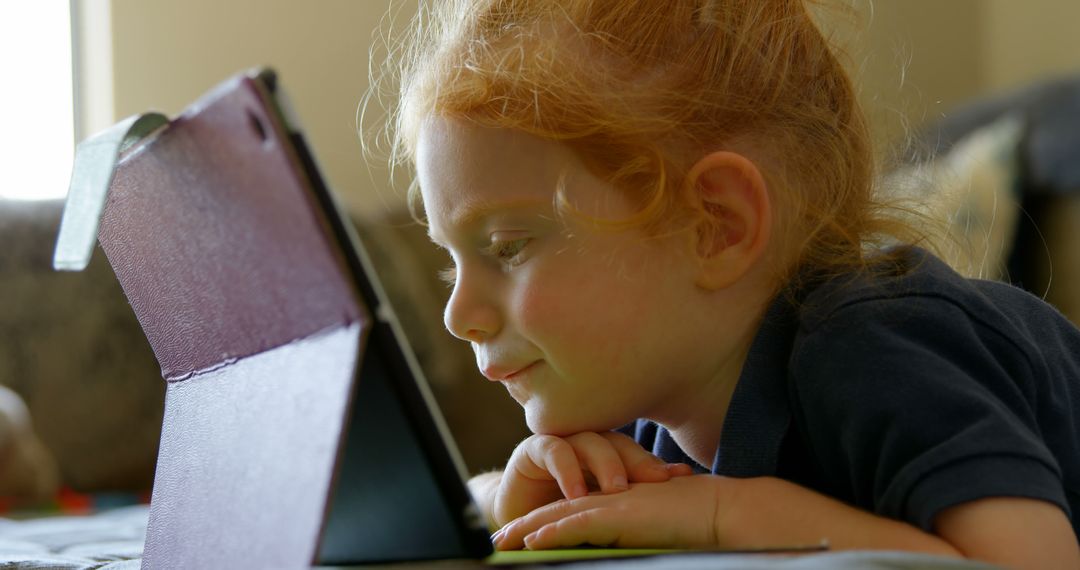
473 213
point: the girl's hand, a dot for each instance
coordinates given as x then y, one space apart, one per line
679 513
545 468
710 511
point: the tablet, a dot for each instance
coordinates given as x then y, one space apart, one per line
298 427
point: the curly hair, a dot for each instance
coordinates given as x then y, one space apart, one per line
641 89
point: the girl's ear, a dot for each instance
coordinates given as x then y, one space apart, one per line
734 217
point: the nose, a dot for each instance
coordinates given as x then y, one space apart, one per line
471 314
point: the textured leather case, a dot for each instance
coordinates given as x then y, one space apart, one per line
297 429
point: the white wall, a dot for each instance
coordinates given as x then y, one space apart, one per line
914 59
1028 40
168 52
949 51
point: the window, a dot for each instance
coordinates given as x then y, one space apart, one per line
37 115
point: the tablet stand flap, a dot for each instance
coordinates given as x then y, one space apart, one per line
91 175
218 246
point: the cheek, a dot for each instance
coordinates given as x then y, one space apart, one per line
585 314
543 305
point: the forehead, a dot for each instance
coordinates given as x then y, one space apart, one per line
465 170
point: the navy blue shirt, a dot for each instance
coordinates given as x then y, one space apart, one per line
906 394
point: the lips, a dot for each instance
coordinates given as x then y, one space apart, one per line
504 373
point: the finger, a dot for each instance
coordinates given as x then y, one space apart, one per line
513 533
641 466
597 527
679 469
602 460
552 457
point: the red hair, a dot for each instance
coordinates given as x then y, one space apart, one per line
641 89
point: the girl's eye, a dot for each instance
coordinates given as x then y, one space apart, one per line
509 251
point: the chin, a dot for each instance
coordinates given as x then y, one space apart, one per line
543 422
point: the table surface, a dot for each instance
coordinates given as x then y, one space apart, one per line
113 540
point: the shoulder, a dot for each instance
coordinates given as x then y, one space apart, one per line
931 308
929 332
920 280
909 390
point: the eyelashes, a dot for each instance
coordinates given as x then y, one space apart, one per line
448 276
506 252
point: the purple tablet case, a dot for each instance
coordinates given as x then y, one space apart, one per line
296 428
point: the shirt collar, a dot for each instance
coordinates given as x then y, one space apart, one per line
759 414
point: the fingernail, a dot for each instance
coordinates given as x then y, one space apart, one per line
580 491
497 536
619 482
529 540
677 467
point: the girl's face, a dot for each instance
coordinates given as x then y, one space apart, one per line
587 329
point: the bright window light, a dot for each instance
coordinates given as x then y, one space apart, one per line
36 108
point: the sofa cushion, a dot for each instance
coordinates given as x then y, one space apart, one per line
71 347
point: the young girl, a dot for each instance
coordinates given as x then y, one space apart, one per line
666 247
